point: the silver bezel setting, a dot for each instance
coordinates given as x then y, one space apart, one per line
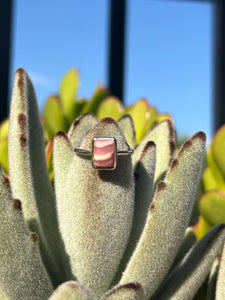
115 153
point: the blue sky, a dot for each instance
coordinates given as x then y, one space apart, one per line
168 55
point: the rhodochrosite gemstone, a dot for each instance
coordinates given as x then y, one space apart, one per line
104 153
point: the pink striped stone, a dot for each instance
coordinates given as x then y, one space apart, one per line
104 153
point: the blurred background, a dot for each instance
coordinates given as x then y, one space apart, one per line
169 52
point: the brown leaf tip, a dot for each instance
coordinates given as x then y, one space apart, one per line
23 140
199 135
174 163
108 120
34 237
17 205
61 134
172 147
22 121
152 206
161 186
81 117
21 82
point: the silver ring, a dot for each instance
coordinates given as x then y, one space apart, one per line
104 153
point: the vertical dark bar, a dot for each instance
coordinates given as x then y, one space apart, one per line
219 53
117 47
5 42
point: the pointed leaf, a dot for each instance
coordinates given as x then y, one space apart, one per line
68 90
129 291
71 290
126 124
110 107
28 171
23 274
80 127
163 136
168 218
187 278
212 206
97 212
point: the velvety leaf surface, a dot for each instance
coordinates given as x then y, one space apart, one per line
129 291
144 176
211 290
220 290
3 295
186 279
80 127
53 117
168 218
29 174
97 212
212 206
163 136
68 90
23 275
126 124
110 107
71 290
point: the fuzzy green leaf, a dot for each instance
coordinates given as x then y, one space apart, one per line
53 117
71 290
3 295
126 124
220 290
212 206
163 136
189 241
187 278
68 90
129 291
110 107
168 218
144 175
23 274
80 127
29 174
211 290
96 214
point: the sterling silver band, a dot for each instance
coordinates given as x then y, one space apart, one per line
89 153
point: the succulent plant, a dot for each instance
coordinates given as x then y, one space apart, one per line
101 234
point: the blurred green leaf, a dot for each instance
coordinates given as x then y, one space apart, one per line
4 154
215 170
110 107
53 117
48 152
4 129
201 228
141 115
92 105
212 206
68 90
218 146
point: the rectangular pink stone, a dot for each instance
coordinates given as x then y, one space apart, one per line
104 153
